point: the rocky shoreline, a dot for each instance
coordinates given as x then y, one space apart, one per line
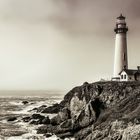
97 111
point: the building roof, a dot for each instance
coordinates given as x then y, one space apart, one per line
121 17
130 71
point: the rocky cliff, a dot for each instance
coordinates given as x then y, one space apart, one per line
97 111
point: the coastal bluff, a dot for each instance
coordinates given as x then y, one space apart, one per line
98 111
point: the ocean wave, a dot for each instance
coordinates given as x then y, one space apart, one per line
14 107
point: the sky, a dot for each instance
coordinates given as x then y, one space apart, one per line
59 44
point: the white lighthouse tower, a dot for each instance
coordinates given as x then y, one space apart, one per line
120 60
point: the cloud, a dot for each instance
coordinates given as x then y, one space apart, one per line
69 13
43 41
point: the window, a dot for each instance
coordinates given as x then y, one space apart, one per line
124 76
124 56
121 76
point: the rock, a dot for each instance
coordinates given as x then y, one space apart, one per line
37 116
67 124
34 109
40 109
56 120
47 135
46 120
76 106
81 134
52 129
42 129
26 119
12 119
32 137
37 119
131 133
85 83
83 115
47 129
52 109
35 122
101 110
87 116
63 115
25 102
65 135
43 106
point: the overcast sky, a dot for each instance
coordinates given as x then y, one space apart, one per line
58 44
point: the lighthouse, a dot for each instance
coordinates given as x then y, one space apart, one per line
121 71
120 59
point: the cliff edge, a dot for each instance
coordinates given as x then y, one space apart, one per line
97 111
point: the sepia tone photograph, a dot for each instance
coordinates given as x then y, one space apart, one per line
69 70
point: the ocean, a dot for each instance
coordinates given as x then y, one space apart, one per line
12 106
